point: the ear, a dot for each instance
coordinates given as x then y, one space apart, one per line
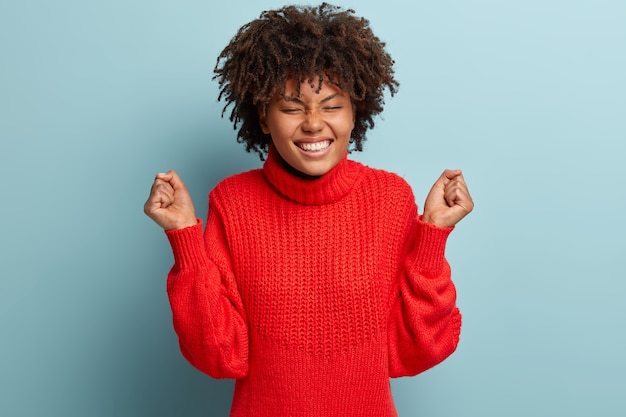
262 120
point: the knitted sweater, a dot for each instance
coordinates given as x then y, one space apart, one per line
313 293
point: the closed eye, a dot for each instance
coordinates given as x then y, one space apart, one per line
291 110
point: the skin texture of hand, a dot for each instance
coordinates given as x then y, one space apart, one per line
169 203
448 200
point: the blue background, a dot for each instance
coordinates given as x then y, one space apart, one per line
527 97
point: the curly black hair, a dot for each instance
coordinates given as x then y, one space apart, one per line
318 44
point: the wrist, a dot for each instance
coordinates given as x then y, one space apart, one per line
426 218
441 223
182 225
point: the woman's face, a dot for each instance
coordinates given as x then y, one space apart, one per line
310 130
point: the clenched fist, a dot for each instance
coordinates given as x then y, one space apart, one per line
169 203
448 201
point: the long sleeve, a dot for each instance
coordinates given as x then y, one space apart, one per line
208 314
424 323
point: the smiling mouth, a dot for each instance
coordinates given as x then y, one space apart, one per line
314 146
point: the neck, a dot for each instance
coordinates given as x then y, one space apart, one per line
295 172
307 189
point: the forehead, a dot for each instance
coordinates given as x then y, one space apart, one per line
310 89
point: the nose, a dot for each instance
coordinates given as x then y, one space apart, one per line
313 121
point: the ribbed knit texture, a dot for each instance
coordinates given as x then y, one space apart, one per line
313 293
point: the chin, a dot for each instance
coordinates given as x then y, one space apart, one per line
314 171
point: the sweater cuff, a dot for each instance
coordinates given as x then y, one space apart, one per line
187 246
430 245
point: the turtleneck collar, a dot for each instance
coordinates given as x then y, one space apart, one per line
326 189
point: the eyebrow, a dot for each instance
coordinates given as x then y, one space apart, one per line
297 99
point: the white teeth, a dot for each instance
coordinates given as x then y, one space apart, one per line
316 146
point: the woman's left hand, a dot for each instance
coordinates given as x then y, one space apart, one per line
448 200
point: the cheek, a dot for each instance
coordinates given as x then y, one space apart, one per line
271 125
350 123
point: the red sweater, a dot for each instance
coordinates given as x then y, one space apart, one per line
313 293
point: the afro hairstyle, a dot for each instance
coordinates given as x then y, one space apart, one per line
317 44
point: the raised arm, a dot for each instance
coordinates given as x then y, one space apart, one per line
425 323
208 314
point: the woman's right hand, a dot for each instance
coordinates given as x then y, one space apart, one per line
169 203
